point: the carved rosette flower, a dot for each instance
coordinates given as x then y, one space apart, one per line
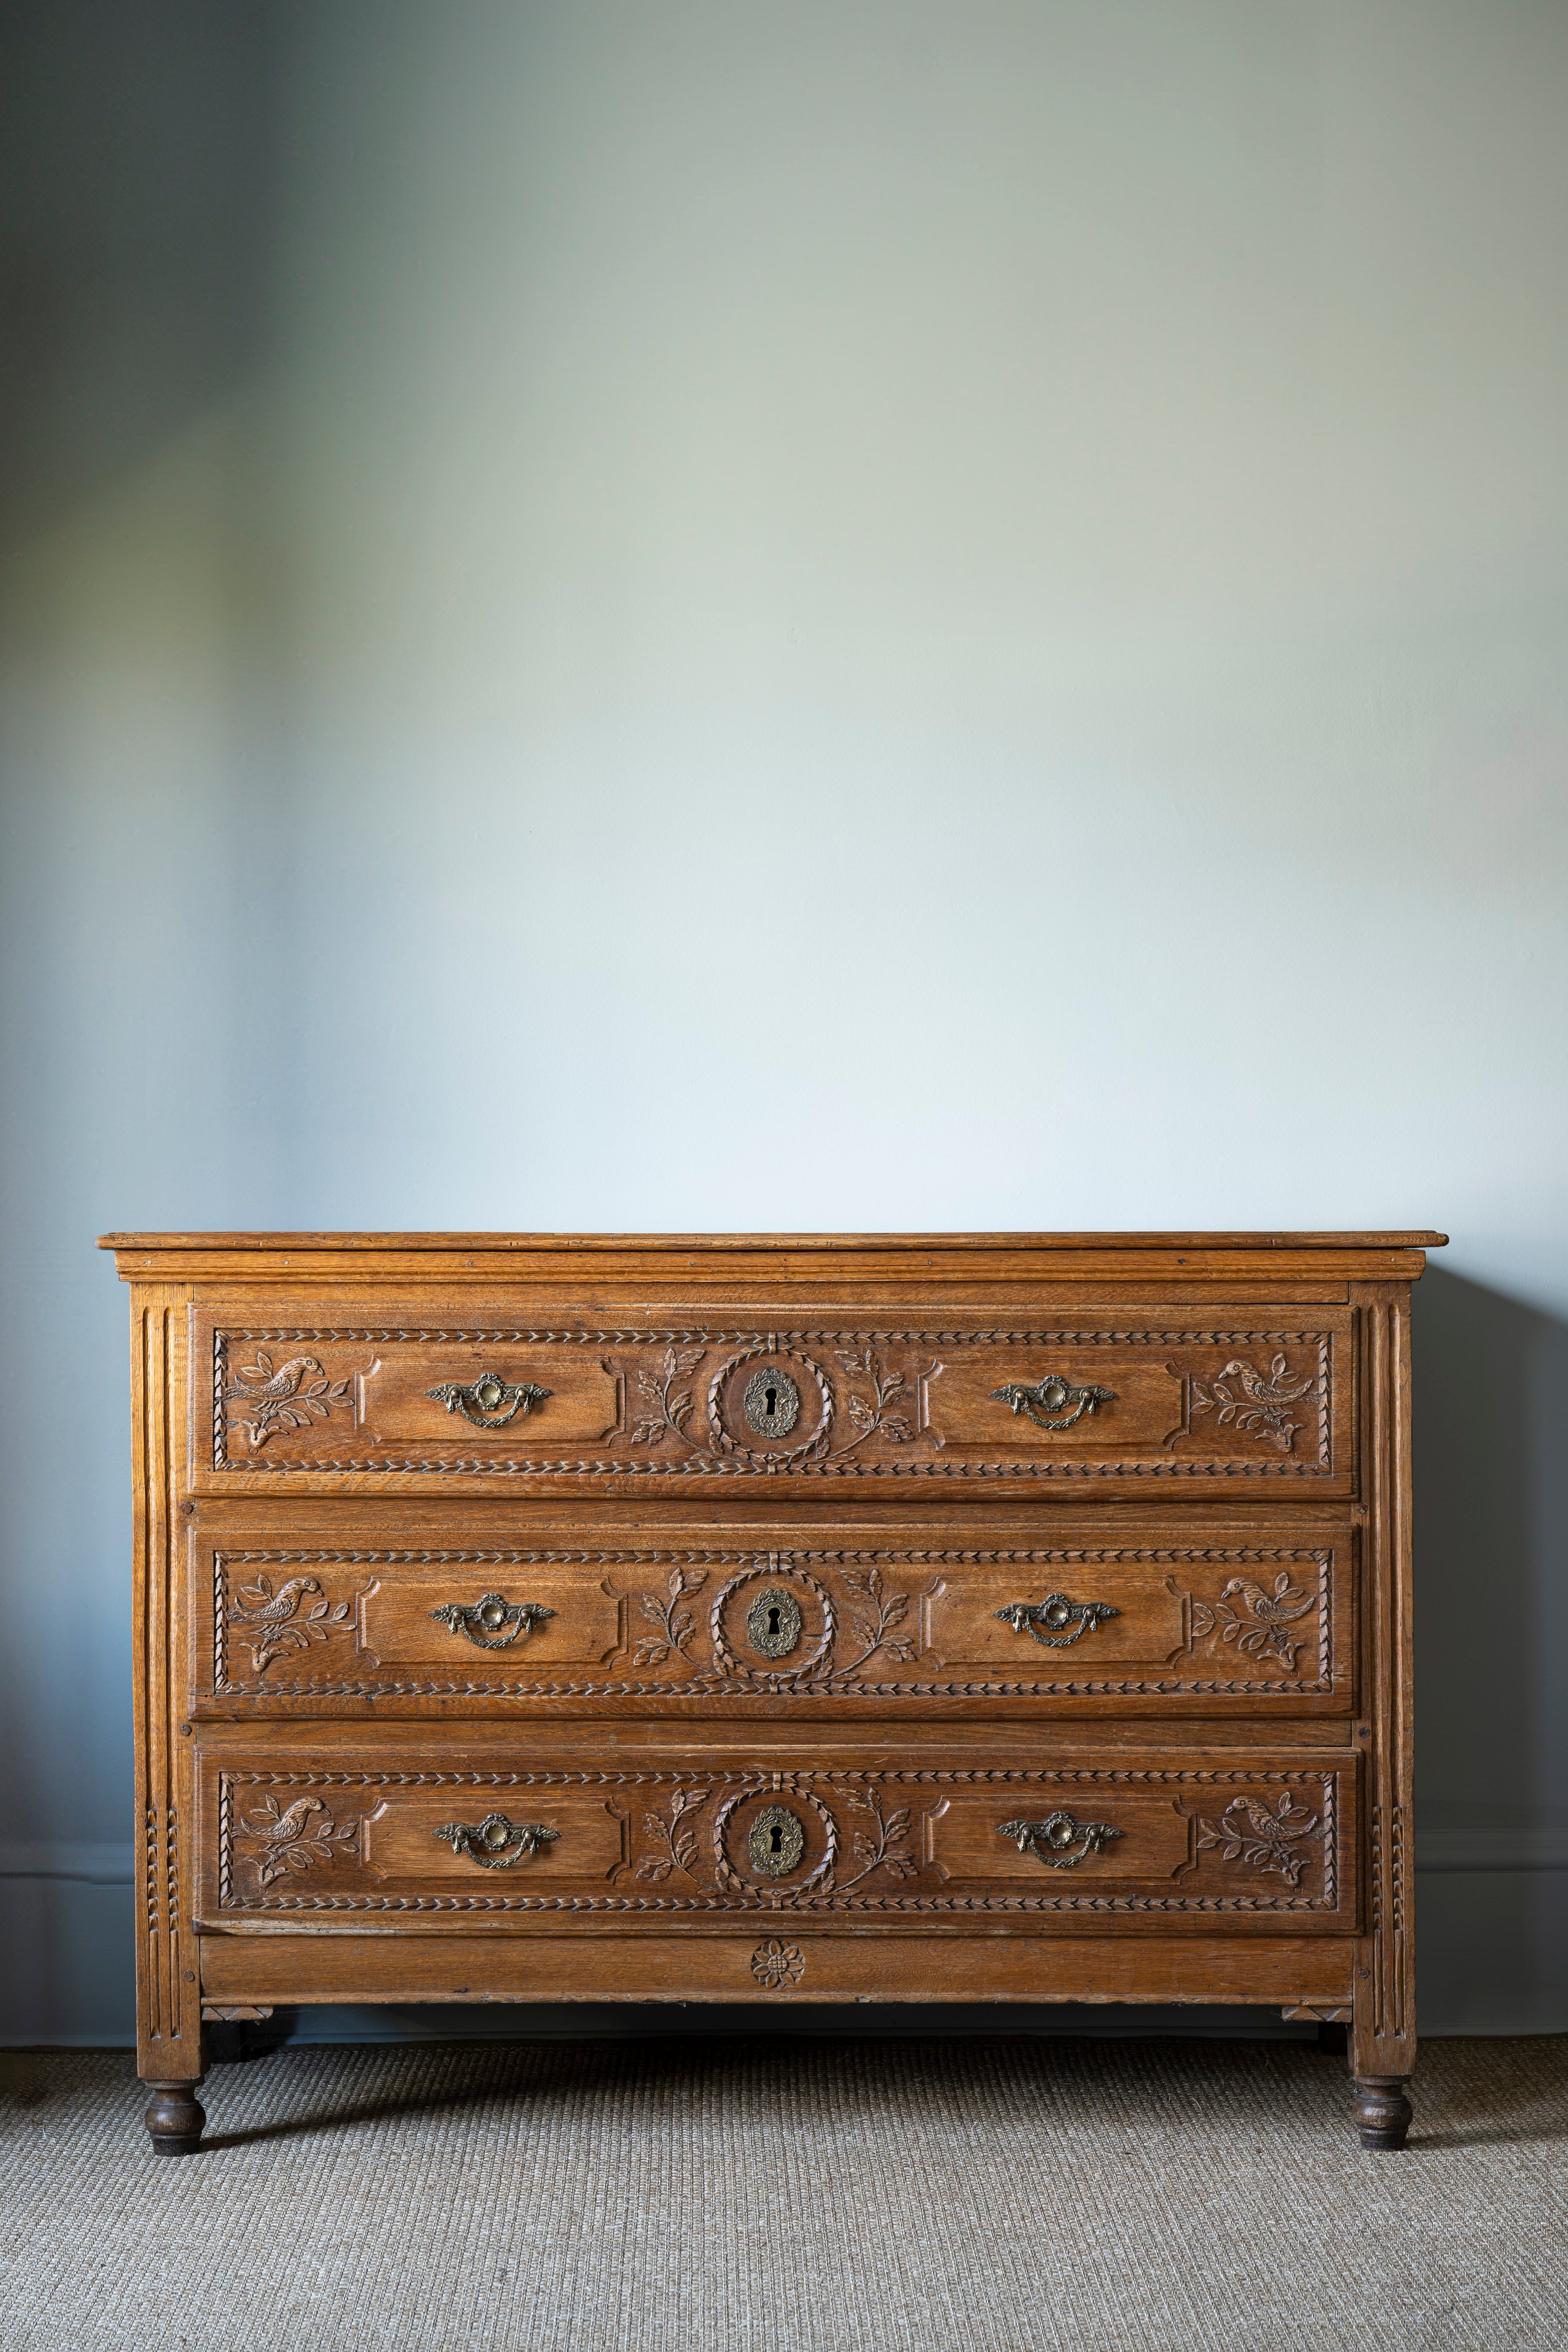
775 1965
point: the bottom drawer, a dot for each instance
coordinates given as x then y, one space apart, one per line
1256 1841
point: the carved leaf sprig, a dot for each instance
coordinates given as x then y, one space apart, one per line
884 1845
876 1622
678 1847
871 1415
291 1842
667 1414
674 1624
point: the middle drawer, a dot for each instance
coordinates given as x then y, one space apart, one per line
1044 1614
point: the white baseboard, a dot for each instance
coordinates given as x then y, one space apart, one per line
1515 1848
110 1864
1494 1927
68 1954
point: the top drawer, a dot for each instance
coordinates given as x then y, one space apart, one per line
673 1399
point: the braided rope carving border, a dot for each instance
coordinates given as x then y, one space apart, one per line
1325 1779
460 1466
771 1342
150 1882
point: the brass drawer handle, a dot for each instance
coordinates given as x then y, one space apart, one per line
1059 1841
492 1622
480 1401
495 1843
1048 1401
1048 1620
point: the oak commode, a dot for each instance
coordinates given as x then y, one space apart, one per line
817 1618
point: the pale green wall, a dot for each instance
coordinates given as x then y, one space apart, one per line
845 615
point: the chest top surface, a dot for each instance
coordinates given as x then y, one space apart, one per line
964 1363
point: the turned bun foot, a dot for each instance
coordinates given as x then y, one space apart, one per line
175 2118
1382 2111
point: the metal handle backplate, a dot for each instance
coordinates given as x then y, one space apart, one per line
1056 1622
1054 1402
492 1622
489 1402
495 1843
1059 1840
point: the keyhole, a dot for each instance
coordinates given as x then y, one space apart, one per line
770 1402
773 1621
776 1838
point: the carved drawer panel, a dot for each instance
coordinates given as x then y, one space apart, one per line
1084 1616
1247 1842
280 1625
947 1401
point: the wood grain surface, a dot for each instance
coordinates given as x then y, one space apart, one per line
812 1617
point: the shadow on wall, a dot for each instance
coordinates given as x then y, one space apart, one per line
1492 1660
140 153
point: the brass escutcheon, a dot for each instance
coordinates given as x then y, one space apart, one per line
775 1840
773 1622
772 1402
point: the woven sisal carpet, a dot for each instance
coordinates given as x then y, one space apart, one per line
790 2197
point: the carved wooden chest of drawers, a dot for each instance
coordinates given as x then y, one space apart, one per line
805 1619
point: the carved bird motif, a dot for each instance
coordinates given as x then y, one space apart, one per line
1287 1824
1267 1840
1274 1391
287 1826
1276 1608
262 1606
252 1386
